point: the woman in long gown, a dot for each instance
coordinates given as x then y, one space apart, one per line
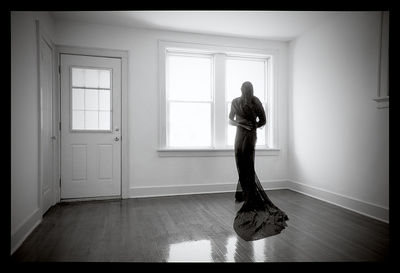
258 217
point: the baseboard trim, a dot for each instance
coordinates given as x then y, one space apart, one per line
25 229
171 190
368 209
365 208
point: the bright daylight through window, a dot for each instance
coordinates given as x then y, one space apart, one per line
199 89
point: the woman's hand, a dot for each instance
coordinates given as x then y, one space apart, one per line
242 123
248 126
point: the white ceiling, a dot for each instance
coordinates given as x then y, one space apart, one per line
275 25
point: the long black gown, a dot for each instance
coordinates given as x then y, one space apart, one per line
258 217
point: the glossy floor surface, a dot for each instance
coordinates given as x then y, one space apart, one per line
198 228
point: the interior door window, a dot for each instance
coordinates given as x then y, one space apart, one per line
91 99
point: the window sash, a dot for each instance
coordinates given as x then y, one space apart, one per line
168 127
188 101
188 54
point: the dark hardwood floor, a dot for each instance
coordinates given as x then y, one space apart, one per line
199 228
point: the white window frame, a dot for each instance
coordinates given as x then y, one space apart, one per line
212 102
72 130
219 115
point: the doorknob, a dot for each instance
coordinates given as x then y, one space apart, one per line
116 138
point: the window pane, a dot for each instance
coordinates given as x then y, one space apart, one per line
78 77
189 124
91 99
104 100
92 120
231 133
241 70
189 78
92 78
261 136
78 99
78 120
93 102
104 120
104 78
231 129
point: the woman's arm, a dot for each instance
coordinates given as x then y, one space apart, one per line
233 122
261 114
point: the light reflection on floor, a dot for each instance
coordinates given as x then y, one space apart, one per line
231 249
201 251
259 250
191 251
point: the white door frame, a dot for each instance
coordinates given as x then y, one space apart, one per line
41 34
99 52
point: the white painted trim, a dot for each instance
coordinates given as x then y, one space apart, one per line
25 229
41 34
168 152
382 98
382 102
172 190
100 198
124 56
39 94
365 208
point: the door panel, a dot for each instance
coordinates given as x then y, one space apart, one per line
90 126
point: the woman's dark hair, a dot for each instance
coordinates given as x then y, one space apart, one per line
248 97
247 92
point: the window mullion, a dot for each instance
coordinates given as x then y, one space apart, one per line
219 101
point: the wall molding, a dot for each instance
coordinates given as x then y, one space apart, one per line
171 190
25 229
168 152
365 208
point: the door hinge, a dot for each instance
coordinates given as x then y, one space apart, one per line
60 182
59 69
59 126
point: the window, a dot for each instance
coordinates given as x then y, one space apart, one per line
91 99
189 100
197 86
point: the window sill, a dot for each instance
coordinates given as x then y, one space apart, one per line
165 152
382 102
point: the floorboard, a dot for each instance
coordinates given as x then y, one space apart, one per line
198 228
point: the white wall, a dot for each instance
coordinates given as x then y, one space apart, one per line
25 121
338 140
149 173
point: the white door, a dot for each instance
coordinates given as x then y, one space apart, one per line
46 122
90 126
